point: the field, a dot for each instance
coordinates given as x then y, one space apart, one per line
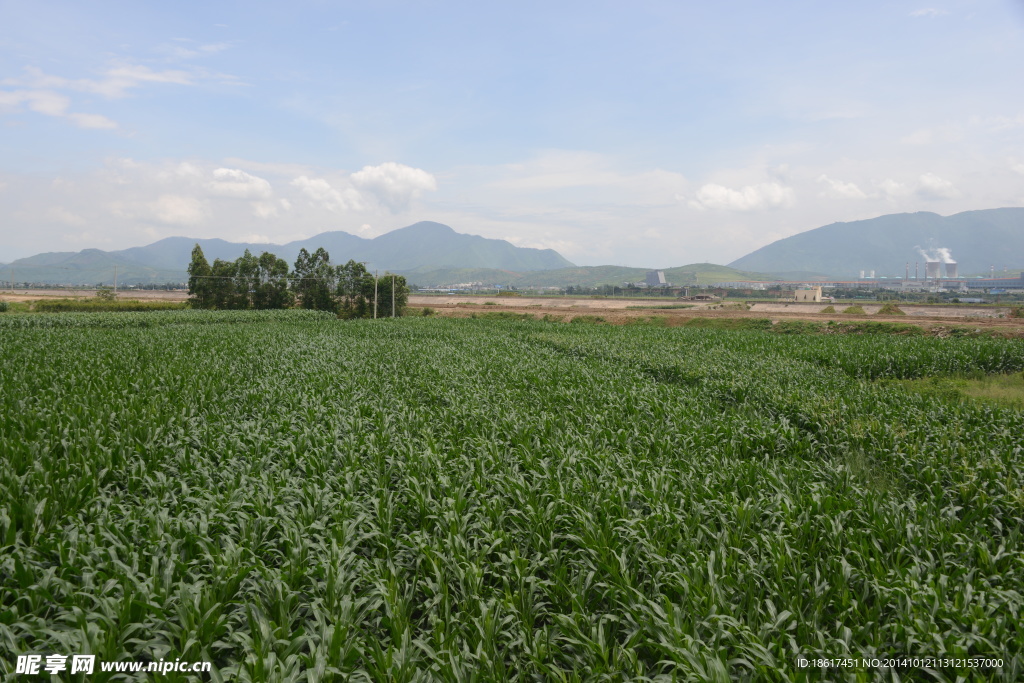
294 497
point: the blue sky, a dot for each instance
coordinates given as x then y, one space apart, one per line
642 133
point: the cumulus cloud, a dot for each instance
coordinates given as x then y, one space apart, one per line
394 185
234 182
931 186
891 189
323 193
748 198
838 188
178 210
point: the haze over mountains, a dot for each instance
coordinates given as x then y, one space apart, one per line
976 240
432 254
422 245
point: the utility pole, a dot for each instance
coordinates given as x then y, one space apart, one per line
375 295
115 281
392 296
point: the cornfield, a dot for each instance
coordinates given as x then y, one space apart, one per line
302 498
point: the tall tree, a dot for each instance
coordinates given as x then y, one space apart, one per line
355 289
199 283
223 294
384 295
272 290
314 280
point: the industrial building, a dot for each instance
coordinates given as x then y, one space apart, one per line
808 294
655 278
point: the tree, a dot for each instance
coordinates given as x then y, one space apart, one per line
199 283
272 288
314 281
223 294
401 295
354 291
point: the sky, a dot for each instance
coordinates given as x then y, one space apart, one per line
649 133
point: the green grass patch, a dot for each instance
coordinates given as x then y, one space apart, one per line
506 315
588 320
1002 390
730 323
828 309
98 305
660 308
890 309
856 309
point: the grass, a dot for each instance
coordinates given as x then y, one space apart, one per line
829 309
1003 390
101 305
303 498
856 309
890 309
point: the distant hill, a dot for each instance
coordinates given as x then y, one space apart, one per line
579 276
422 245
976 240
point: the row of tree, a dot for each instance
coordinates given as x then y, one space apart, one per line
264 282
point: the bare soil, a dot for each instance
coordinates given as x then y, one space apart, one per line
617 312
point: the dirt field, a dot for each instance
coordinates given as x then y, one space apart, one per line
618 311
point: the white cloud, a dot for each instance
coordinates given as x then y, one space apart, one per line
178 210
1017 168
321 192
234 182
838 188
62 215
891 189
264 209
929 12
748 198
394 185
50 103
931 186
97 121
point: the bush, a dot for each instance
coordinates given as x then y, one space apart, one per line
856 309
1017 312
105 305
890 309
3 306
427 311
829 309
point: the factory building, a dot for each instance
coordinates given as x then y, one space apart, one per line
655 278
808 294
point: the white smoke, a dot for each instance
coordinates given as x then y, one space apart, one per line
942 254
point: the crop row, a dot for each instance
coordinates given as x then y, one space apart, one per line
437 499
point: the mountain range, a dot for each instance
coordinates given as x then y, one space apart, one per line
976 240
432 254
422 245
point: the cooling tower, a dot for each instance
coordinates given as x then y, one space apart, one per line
951 269
931 270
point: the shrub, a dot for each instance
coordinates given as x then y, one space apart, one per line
856 309
3 306
829 309
890 309
427 311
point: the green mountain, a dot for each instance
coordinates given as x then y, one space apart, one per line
976 240
422 245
